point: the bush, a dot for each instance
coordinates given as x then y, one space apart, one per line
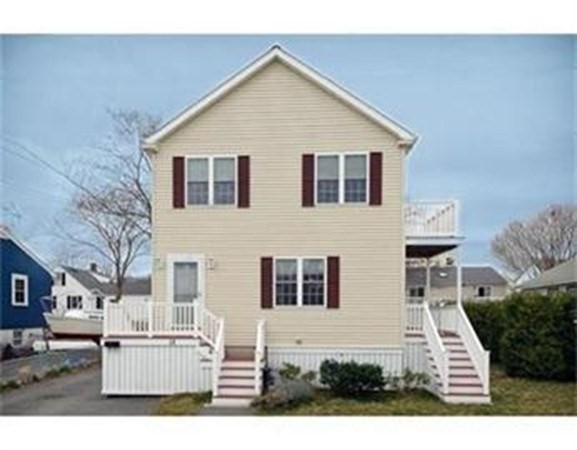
286 394
487 320
538 340
350 379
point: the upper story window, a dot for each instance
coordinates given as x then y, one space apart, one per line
19 290
484 291
60 279
74 302
211 180
300 281
342 178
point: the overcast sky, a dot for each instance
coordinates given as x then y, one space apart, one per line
496 115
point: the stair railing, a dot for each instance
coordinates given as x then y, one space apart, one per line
217 356
479 356
439 353
259 356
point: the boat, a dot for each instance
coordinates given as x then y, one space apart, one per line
75 324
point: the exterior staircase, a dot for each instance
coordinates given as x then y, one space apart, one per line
236 383
465 385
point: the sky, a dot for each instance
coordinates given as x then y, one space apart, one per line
495 115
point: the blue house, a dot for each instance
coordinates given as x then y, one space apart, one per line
24 280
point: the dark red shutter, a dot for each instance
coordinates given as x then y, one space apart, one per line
308 180
243 181
178 182
376 178
266 282
333 263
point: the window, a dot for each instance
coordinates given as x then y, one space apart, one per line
328 179
286 281
416 291
341 178
355 178
19 290
17 338
60 279
211 180
99 302
300 281
74 302
484 291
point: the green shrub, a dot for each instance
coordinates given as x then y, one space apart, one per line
289 371
539 336
487 320
350 379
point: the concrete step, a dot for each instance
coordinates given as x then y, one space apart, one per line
231 402
470 399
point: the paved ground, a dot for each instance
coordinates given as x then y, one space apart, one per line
41 363
77 394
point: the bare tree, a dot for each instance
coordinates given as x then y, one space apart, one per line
532 246
110 215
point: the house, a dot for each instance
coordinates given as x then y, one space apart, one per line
280 236
561 278
86 290
478 283
25 281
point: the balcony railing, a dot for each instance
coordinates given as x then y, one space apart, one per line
432 219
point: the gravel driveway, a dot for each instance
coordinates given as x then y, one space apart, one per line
77 394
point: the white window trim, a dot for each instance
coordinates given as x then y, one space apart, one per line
341 168
299 304
211 159
19 277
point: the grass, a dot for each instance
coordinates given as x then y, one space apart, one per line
183 404
510 396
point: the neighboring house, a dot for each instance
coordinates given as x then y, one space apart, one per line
87 290
478 283
25 281
280 236
561 278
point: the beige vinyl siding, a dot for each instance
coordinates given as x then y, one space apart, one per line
274 118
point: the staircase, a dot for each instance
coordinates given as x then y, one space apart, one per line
464 385
236 383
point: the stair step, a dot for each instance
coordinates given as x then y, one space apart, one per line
453 344
237 392
237 364
463 376
237 372
230 402
236 382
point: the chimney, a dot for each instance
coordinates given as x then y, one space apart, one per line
94 267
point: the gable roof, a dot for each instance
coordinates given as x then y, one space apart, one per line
132 286
564 273
277 53
6 233
447 276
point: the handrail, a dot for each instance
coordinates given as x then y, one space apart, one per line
479 356
218 357
438 351
259 356
432 218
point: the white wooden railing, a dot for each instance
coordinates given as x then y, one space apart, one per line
218 355
439 353
444 316
414 318
432 219
479 356
259 356
159 319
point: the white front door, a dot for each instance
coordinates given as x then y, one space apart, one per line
185 286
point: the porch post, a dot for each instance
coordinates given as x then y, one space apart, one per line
459 277
428 281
